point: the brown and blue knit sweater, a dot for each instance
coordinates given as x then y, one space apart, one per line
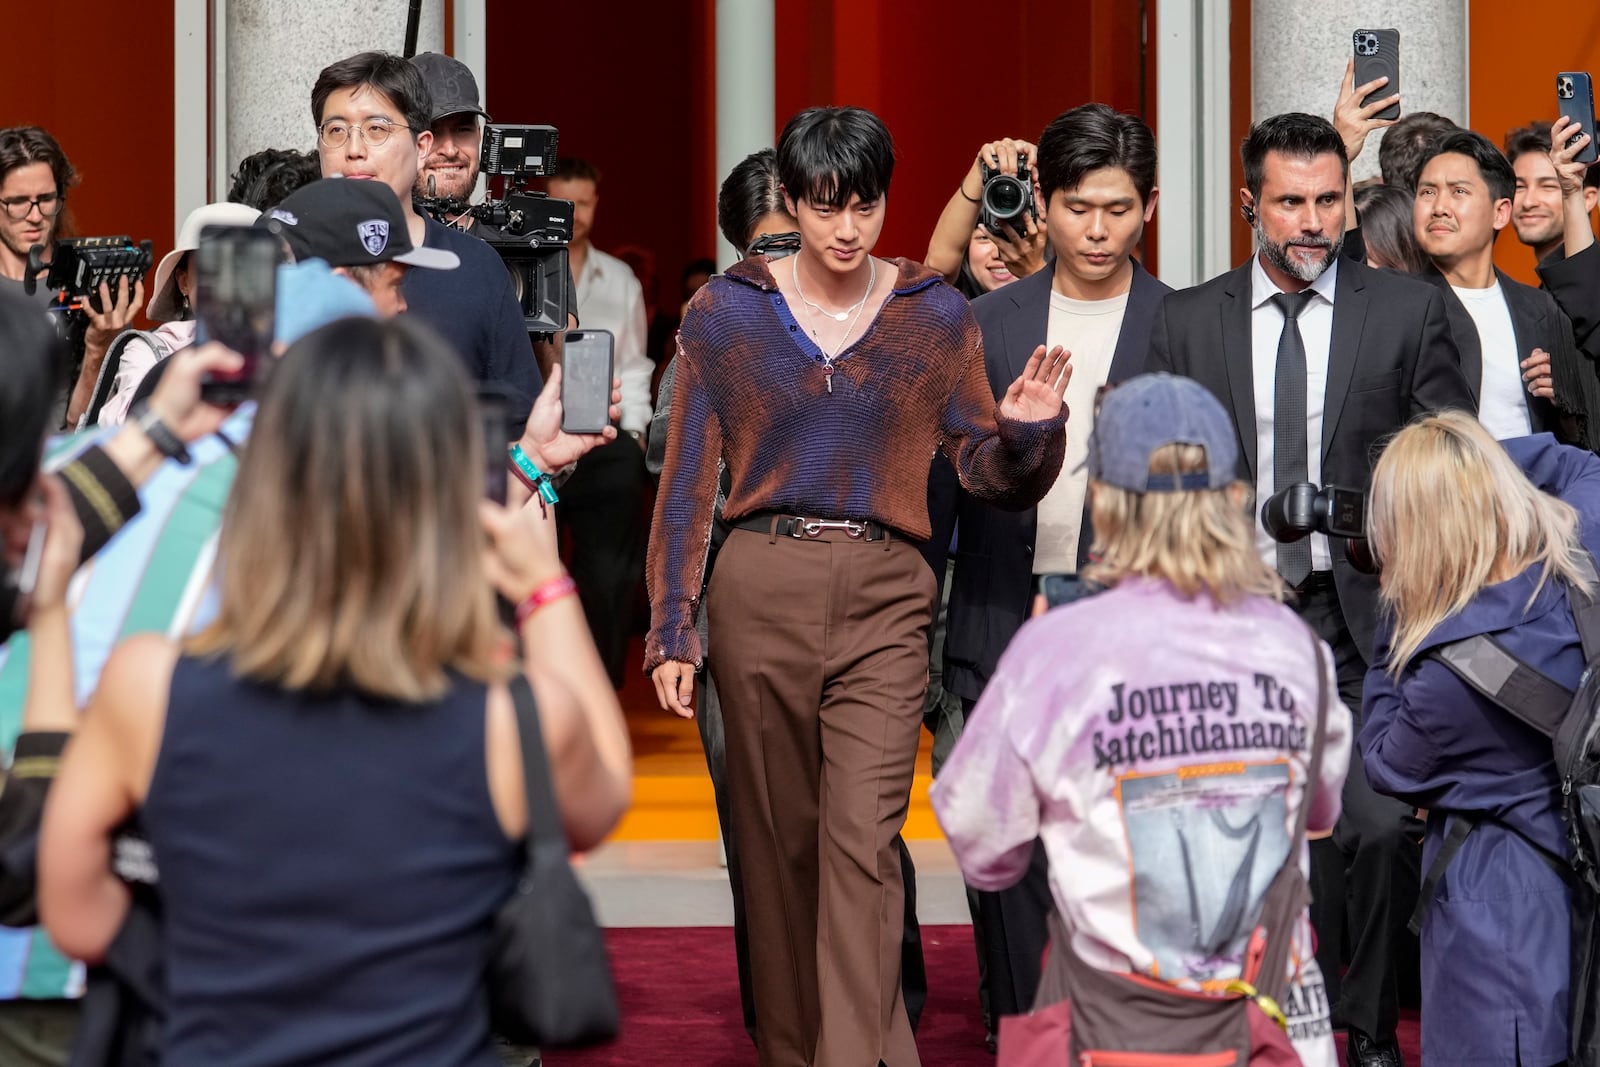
751 389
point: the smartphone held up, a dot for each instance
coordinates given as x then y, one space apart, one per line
1377 54
586 370
236 272
1575 101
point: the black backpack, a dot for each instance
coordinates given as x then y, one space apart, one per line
1572 722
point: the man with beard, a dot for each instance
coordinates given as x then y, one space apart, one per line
1318 358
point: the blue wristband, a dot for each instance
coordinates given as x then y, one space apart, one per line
533 476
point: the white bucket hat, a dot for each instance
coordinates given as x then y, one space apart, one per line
163 306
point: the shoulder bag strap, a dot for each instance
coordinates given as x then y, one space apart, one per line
1489 667
1586 608
544 822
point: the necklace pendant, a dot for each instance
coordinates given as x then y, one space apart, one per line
840 316
827 375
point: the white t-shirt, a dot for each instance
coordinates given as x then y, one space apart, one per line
1089 330
1502 401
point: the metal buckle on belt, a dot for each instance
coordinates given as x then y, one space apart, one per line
814 527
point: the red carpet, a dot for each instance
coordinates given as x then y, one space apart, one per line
680 1003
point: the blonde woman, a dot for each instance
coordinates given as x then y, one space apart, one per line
1156 736
329 775
1479 537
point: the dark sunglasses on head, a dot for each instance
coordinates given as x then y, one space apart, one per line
774 245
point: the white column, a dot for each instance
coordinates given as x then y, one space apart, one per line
1192 97
746 97
1299 52
273 51
191 137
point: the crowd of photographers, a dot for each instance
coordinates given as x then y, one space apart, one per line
1318 531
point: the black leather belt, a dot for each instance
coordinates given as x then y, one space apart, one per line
801 527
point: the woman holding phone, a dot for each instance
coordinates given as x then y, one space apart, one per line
825 381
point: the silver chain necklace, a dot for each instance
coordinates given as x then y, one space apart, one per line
837 316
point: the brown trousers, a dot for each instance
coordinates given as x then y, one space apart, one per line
821 664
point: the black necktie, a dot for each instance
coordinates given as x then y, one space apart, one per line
1289 464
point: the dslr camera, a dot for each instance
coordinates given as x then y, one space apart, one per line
534 229
1302 509
1007 199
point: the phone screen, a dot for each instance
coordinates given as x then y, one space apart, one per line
494 416
236 273
586 381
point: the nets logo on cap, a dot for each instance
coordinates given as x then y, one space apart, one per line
374 235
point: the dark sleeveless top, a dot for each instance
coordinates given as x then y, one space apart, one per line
329 866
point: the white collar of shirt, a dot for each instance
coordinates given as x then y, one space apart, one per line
1263 288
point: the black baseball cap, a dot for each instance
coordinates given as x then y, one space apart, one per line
350 222
450 84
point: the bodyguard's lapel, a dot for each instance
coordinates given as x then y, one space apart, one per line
1238 360
1464 330
1344 344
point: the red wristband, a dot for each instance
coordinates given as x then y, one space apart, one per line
554 589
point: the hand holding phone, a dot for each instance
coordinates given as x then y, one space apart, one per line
586 368
236 272
1377 55
1575 101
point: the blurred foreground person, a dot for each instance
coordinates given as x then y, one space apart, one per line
356 650
1477 538
1167 780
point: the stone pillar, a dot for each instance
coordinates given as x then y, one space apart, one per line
746 97
274 50
1299 51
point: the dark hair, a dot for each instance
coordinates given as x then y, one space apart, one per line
828 154
1291 134
1089 137
22 145
749 193
575 169
384 72
264 178
1407 144
1385 214
34 360
1535 138
699 266
1492 164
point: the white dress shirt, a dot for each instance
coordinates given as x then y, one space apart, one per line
1502 403
610 298
1316 332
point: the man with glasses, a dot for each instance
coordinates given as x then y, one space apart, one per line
34 176
373 114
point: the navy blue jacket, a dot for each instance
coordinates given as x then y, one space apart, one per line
992 590
1495 940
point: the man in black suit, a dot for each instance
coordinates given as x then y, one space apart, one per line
1319 357
1096 172
1508 334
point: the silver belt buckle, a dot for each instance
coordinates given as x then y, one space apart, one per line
814 527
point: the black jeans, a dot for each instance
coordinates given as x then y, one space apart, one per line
1365 878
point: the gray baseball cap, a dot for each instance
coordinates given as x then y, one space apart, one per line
1150 412
451 85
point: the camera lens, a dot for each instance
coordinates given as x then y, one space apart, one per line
1003 197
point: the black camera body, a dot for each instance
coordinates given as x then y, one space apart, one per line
1007 199
79 265
1302 510
524 151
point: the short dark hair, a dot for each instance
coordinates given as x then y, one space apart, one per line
1293 133
1092 136
35 356
394 77
575 169
1407 145
1535 138
22 145
264 178
828 154
1492 164
749 193
1386 226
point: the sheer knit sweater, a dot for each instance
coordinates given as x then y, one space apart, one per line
751 389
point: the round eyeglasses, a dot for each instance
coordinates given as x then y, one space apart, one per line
372 132
20 207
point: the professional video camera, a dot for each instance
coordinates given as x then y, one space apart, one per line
79 264
530 230
1302 509
1007 199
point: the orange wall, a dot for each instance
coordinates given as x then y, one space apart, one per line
97 75
1517 47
